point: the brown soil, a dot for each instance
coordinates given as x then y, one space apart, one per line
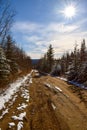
49 108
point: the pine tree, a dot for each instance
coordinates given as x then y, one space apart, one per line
82 71
76 58
11 54
47 61
50 58
4 66
9 48
44 63
73 66
83 51
63 66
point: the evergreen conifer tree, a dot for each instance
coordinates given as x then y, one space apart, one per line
11 54
4 66
50 58
83 51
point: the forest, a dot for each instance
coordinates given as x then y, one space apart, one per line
71 65
13 60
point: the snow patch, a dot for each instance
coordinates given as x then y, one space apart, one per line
64 79
13 100
58 88
53 106
20 125
20 117
47 85
25 94
23 105
3 113
77 84
11 124
74 83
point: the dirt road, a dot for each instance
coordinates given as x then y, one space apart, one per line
52 105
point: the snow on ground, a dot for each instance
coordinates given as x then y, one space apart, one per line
3 113
13 100
20 120
11 124
47 85
58 88
62 78
55 89
20 117
20 125
52 86
22 106
10 95
25 94
53 106
13 88
77 84
74 83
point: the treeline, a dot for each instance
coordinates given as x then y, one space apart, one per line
13 60
71 65
46 62
74 65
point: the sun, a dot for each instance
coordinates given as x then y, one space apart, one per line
69 11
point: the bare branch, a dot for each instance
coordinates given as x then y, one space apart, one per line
6 19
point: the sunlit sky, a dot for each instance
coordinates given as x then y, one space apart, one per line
39 23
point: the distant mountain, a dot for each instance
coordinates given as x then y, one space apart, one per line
35 61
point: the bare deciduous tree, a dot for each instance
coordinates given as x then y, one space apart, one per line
6 19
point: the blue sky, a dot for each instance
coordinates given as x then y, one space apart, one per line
39 23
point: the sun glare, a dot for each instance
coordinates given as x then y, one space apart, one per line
69 11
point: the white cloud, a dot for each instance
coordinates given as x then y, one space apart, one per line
25 27
32 38
60 35
61 27
82 21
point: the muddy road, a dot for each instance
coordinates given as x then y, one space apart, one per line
53 105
